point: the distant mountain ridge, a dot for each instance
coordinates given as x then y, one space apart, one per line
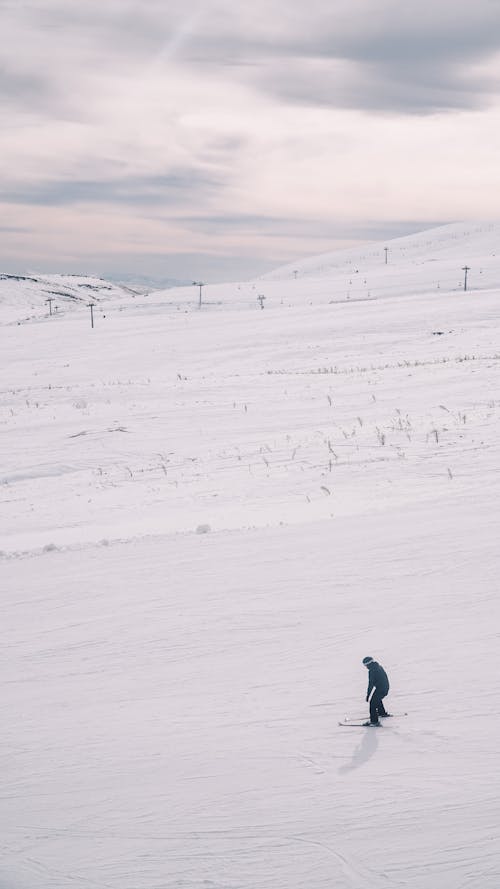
26 296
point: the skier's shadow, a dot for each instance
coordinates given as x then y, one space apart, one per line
363 752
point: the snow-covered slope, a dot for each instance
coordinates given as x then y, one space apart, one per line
431 262
455 242
208 518
29 297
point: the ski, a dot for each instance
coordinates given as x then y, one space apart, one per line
355 722
388 716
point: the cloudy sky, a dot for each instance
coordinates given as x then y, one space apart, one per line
218 138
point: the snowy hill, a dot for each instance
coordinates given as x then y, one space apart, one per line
452 243
209 517
28 297
430 262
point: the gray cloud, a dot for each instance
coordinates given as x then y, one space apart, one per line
134 190
404 88
279 227
24 90
134 27
388 56
49 49
385 57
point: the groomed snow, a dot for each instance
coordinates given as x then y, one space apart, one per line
208 518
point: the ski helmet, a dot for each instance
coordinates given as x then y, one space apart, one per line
367 660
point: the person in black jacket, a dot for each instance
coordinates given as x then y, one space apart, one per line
378 683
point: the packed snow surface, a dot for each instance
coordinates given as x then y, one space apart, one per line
209 516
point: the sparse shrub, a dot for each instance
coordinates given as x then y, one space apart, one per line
203 529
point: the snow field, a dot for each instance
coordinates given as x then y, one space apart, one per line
171 698
173 707
159 424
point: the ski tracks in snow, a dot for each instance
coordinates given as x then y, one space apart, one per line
360 877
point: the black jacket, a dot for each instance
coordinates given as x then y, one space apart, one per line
377 679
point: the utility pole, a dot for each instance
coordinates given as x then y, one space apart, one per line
386 252
261 299
91 307
466 269
199 284
50 300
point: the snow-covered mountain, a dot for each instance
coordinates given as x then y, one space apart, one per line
29 297
209 516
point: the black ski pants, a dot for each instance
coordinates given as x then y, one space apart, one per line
376 706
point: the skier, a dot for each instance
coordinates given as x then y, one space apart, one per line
379 684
